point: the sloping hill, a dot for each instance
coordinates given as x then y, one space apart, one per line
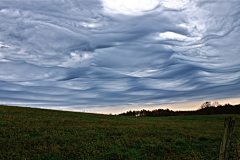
30 133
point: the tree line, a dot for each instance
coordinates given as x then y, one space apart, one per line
207 108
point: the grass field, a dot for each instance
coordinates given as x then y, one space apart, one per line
30 133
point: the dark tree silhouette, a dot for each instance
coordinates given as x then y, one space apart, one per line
205 105
205 109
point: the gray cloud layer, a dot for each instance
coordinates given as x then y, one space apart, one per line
81 54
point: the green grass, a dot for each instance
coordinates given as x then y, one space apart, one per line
30 133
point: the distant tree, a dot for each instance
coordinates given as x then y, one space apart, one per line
205 105
215 104
134 113
143 113
227 104
129 113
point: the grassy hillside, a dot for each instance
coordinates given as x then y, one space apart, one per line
29 133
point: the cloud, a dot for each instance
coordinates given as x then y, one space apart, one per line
107 54
129 7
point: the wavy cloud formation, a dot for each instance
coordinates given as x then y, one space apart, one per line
83 55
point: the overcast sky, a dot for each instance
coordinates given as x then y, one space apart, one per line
117 55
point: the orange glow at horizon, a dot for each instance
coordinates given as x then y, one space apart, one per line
182 106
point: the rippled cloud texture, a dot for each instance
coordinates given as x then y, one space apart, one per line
93 55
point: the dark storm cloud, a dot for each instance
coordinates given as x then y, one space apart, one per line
81 54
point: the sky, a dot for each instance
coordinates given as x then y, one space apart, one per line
111 56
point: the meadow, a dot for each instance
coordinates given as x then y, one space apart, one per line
41 134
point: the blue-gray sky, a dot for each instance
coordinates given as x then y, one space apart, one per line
117 55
